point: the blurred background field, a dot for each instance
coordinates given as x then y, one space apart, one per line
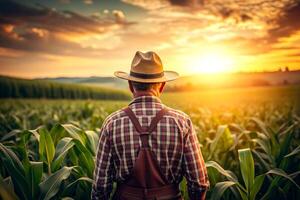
220 101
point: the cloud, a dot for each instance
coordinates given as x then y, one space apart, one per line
251 32
42 29
148 5
48 18
186 2
288 23
157 4
256 14
8 53
41 41
180 31
119 16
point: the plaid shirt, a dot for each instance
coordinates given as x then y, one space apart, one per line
174 142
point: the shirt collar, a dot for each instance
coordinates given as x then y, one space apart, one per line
145 98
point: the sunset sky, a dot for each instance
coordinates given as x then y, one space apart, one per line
49 38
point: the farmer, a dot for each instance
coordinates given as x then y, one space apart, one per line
147 147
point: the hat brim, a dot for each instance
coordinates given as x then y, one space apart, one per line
168 76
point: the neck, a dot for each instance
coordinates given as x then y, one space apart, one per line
145 93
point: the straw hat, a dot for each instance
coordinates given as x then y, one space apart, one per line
147 68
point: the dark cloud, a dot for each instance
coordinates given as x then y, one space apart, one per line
119 16
287 24
48 18
186 2
287 48
39 28
35 40
266 12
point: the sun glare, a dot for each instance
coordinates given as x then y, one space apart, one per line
212 63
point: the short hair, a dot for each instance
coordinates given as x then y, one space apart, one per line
144 86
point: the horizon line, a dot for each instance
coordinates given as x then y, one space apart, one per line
185 75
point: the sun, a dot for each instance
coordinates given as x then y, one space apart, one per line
211 63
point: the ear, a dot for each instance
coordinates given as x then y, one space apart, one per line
130 86
161 88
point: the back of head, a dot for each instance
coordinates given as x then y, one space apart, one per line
138 86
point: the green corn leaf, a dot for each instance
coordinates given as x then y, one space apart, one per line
42 147
6 193
17 172
23 153
10 135
220 188
242 192
280 172
85 156
213 175
247 168
93 139
258 181
229 174
50 186
263 144
296 151
17 133
71 188
261 125
75 132
222 132
62 148
46 146
295 174
72 156
35 172
270 133
285 145
183 188
261 160
57 132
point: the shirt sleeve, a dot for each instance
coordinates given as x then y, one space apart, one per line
103 173
194 166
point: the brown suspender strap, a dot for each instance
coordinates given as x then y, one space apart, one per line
156 119
133 119
143 131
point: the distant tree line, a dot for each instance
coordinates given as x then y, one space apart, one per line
23 88
189 86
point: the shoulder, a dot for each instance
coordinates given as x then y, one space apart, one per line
110 119
178 113
182 119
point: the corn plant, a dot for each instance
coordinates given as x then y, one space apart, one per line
41 161
251 184
278 149
47 148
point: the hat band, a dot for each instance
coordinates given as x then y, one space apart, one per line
146 76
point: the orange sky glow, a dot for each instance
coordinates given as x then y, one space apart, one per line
96 38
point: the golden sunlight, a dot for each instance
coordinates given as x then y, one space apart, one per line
212 62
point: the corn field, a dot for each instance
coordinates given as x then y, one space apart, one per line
47 149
